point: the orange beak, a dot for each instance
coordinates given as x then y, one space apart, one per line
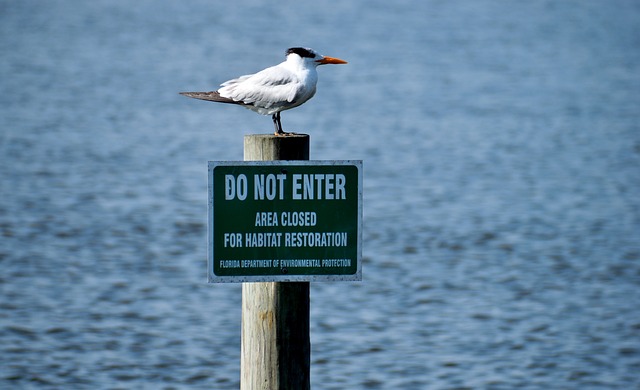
331 60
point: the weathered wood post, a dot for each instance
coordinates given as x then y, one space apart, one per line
276 351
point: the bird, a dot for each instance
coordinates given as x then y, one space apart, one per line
274 89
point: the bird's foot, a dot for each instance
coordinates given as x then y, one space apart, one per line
283 134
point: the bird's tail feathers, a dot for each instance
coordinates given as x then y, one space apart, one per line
212 96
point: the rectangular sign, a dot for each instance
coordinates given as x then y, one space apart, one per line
277 221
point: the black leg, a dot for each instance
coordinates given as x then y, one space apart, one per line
277 124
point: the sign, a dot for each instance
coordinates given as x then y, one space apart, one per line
276 221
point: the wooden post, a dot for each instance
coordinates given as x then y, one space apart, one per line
276 351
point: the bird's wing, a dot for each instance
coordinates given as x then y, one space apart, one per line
269 87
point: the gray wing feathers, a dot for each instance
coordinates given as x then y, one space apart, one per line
212 96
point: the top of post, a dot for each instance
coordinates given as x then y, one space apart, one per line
268 147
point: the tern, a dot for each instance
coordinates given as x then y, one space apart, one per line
274 89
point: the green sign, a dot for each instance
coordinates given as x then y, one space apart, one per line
275 221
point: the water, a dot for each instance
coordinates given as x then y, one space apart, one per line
501 145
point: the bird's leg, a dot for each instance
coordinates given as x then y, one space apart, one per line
277 124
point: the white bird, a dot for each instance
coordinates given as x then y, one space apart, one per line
274 89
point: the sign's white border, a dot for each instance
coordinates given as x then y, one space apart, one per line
213 278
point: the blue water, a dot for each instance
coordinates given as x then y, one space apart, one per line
501 148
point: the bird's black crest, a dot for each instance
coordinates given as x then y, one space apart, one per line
302 52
